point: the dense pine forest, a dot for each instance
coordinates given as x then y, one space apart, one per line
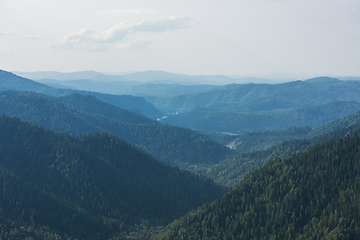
255 141
93 186
238 161
232 170
84 114
312 195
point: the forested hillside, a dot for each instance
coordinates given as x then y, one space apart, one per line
97 186
255 141
174 145
92 105
240 108
312 195
232 170
236 108
78 178
241 122
264 97
10 81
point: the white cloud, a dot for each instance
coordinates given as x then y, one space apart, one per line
354 9
86 39
118 32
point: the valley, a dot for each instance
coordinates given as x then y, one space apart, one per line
155 155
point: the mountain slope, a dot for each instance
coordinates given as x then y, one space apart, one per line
135 104
241 122
10 81
174 145
312 195
92 105
257 107
256 141
232 170
264 97
93 186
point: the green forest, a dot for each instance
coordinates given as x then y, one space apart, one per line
94 186
311 195
232 170
237 161
174 145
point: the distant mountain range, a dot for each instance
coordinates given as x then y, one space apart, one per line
263 97
10 81
168 77
261 107
90 75
235 108
229 108
146 76
128 87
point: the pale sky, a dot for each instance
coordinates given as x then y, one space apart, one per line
230 37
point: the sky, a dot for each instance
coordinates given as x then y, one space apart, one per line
209 37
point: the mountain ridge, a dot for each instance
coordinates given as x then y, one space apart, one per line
176 146
10 81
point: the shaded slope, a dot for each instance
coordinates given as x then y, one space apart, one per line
135 104
92 105
312 195
89 187
173 145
